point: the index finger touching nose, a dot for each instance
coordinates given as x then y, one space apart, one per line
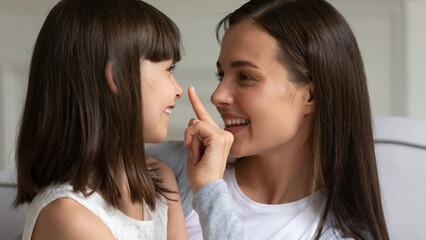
198 107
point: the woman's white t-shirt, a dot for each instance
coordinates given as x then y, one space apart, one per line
295 220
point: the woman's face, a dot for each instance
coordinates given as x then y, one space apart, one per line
159 92
258 104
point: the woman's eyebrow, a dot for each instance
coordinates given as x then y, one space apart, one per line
236 64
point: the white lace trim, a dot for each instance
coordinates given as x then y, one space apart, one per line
121 225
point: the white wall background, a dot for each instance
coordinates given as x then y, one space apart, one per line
391 35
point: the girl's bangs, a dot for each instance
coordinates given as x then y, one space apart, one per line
164 42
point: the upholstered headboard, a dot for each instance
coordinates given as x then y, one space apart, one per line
11 220
401 159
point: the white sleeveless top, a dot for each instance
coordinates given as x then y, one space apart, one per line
121 225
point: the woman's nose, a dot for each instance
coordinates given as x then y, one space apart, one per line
222 96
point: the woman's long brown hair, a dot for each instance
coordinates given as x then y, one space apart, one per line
317 46
74 127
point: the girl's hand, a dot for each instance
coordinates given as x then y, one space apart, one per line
208 146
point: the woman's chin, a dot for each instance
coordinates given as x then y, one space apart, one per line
236 152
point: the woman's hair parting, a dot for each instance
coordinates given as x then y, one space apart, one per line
74 128
316 45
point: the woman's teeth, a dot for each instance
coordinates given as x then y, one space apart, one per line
230 122
168 111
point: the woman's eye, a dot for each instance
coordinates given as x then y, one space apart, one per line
241 76
171 68
219 76
244 77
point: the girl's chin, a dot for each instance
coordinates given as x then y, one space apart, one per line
156 139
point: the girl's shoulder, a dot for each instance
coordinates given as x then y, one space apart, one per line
65 218
162 171
60 213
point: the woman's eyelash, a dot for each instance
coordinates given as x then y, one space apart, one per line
242 76
219 76
171 68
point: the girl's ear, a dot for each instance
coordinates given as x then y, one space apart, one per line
109 77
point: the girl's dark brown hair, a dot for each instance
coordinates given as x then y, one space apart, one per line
74 128
316 45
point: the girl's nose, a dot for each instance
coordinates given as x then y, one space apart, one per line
179 90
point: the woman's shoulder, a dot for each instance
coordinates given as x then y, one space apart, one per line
169 152
64 218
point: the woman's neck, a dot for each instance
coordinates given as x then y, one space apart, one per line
275 178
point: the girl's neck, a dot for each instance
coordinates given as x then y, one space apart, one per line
276 178
125 204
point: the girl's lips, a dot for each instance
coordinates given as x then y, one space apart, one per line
168 110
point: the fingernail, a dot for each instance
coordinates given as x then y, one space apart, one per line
193 89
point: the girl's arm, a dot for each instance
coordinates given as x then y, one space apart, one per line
174 154
176 228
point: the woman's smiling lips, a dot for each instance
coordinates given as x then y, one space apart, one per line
234 123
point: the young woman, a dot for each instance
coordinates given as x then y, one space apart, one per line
101 84
293 93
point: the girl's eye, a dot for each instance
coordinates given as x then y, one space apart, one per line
219 76
171 68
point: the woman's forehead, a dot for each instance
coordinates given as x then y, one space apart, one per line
246 42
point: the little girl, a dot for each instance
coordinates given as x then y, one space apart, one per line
100 85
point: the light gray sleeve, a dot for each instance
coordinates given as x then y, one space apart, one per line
333 234
215 211
212 202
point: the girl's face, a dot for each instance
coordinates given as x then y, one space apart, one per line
258 103
159 92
